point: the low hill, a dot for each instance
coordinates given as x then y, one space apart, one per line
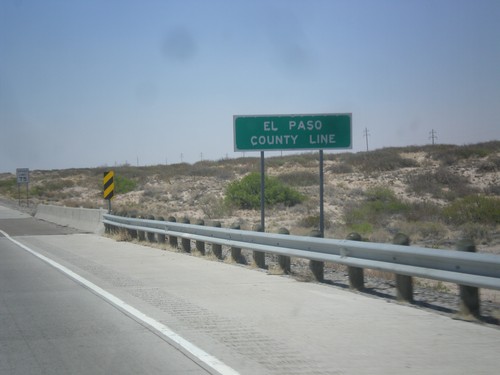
435 194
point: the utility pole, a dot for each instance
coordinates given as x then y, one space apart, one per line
181 157
366 134
433 136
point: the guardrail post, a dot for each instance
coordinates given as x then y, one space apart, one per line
317 267
107 228
356 274
172 240
200 245
284 261
259 257
161 237
119 230
236 251
150 235
141 235
185 242
216 248
132 232
404 283
469 295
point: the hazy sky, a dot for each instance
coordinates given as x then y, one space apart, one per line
102 82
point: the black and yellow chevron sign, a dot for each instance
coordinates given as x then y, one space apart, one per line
109 185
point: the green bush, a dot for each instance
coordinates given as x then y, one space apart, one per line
8 187
124 185
245 193
473 209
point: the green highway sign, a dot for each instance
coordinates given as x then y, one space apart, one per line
292 132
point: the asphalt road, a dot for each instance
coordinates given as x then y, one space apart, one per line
131 304
50 324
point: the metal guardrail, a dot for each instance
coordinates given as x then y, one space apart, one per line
479 270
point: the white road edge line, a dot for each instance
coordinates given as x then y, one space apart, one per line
200 354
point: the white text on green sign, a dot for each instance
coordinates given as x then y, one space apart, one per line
292 132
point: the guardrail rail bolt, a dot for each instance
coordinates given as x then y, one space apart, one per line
284 261
185 242
356 274
259 257
150 235
236 251
216 248
200 245
172 240
317 267
469 295
161 236
404 283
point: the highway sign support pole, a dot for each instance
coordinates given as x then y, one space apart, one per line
321 194
262 192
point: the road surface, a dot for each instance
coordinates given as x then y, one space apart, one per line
222 318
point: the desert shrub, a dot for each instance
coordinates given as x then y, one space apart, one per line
311 221
379 204
214 207
477 232
492 190
307 159
473 209
492 164
386 159
423 211
8 187
245 193
208 168
299 178
361 228
123 184
340 168
450 154
51 188
441 183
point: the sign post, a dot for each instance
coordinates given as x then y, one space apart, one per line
293 132
23 178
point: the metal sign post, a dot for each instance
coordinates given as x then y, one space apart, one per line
321 194
262 192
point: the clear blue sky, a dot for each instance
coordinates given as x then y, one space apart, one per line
97 82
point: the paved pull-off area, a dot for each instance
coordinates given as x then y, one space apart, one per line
250 321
